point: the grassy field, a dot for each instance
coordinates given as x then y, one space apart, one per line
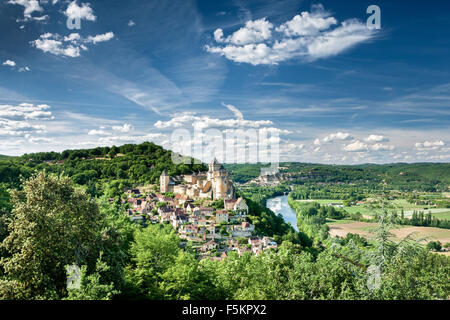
335 221
365 229
442 215
322 201
368 211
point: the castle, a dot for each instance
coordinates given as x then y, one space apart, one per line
215 184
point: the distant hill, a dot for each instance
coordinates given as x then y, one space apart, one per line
129 163
420 176
3 156
143 163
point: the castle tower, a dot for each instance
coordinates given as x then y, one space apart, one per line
221 187
164 180
214 167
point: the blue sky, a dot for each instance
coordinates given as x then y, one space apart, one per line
312 72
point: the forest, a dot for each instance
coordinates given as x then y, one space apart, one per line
400 176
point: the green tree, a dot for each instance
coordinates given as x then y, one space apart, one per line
91 286
153 251
52 225
434 245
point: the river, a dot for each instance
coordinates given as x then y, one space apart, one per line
280 205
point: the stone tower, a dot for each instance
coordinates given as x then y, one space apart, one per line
164 180
220 183
214 167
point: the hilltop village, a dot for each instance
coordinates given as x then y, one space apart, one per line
203 209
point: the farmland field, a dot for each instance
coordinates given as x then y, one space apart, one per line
322 201
364 229
368 210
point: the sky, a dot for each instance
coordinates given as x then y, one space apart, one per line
309 76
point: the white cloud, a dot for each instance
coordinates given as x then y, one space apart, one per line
103 131
337 136
85 12
9 63
350 33
131 23
69 46
98 132
429 145
376 138
30 6
333 137
24 69
381 147
132 138
307 24
26 111
356 146
72 37
41 18
40 140
291 147
125 128
253 32
307 36
204 122
56 47
235 110
23 119
101 37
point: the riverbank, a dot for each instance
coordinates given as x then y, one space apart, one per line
280 205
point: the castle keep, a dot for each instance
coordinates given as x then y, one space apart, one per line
215 184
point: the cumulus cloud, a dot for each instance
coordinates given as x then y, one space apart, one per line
155 137
9 63
40 140
381 147
100 132
23 119
131 23
111 130
24 69
337 136
333 137
30 6
125 128
74 11
356 146
307 24
430 145
48 43
376 138
252 32
204 122
26 111
307 36
100 37
69 46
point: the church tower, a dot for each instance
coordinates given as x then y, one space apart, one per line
164 180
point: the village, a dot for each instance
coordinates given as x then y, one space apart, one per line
203 210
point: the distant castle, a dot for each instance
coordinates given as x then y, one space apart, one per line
216 184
